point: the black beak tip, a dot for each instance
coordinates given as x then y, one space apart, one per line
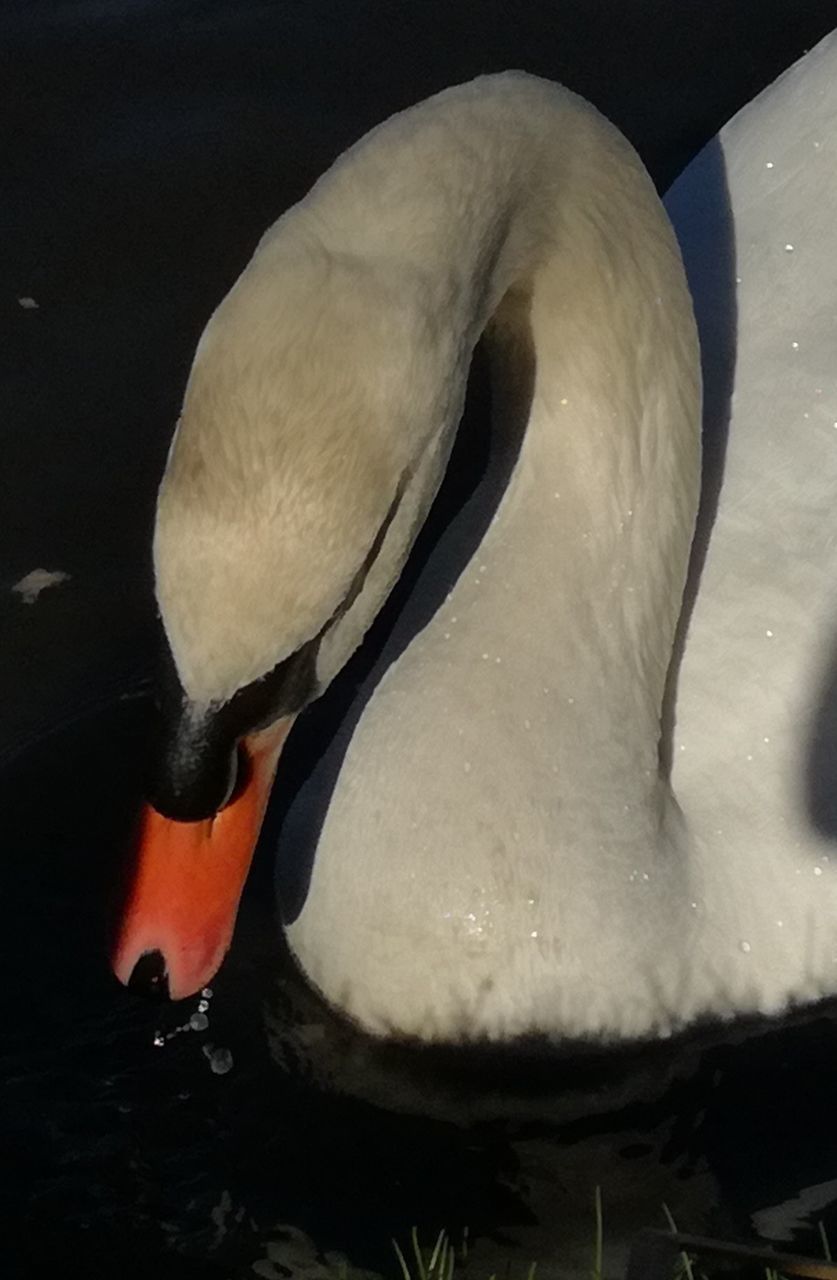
150 977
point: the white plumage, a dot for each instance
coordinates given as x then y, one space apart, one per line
501 853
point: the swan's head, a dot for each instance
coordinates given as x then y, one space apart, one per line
296 480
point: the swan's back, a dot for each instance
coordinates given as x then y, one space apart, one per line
755 763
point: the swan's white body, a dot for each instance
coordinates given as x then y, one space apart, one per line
500 854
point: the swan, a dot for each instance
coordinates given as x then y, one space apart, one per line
507 838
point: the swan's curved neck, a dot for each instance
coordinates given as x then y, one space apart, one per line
509 206
551 240
532 698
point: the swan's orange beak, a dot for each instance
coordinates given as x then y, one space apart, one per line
186 881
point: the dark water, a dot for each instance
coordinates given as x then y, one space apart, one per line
146 147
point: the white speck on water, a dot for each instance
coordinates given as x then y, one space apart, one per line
682 746
749 757
780 924
527 724
556 495
498 661
646 876
693 905
817 146
31 586
769 635
530 902
447 635
198 1022
564 400
467 766
807 415
738 279
159 1040
485 657
765 739
482 568
453 619
817 871
27 304
745 947
768 164
472 917
533 934
571 701
788 248
795 346
220 1060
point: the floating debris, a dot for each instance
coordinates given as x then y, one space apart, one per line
27 304
31 586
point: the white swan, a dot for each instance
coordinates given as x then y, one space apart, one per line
501 853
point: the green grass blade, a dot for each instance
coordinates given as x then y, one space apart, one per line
421 1270
433 1264
685 1260
405 1270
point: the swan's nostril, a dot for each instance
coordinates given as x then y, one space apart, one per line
149 976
